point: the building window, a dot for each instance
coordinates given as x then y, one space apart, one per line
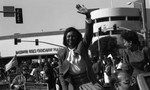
134 18
118 18
104 19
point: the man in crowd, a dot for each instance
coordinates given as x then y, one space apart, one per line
19 80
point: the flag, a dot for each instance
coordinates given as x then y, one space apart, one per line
12 63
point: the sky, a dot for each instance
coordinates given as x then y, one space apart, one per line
50 15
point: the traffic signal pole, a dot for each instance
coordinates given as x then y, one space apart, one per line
10 11
16 41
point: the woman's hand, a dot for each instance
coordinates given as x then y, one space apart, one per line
83 10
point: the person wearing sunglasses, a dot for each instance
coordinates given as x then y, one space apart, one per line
19 80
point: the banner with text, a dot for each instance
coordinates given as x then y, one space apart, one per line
37 51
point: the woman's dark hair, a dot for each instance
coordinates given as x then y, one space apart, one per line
108 45
70 29
131 36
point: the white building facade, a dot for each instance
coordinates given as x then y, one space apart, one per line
123 18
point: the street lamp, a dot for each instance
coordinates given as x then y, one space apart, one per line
144 17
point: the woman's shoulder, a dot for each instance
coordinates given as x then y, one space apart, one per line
61 52
64 49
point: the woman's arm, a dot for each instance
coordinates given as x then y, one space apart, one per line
89 24
88 32
63 83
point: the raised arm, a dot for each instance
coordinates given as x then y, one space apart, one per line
89 24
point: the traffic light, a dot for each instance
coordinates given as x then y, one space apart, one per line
19 16
99 30
16 41
114 27
36 41
8 11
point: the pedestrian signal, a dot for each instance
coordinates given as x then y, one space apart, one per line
36 41
115 27
16 41
19 16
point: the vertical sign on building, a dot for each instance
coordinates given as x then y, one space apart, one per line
19 15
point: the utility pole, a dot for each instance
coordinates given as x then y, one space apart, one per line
145 21
143 10
142 7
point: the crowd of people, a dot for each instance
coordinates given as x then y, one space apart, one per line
45 72
115 68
